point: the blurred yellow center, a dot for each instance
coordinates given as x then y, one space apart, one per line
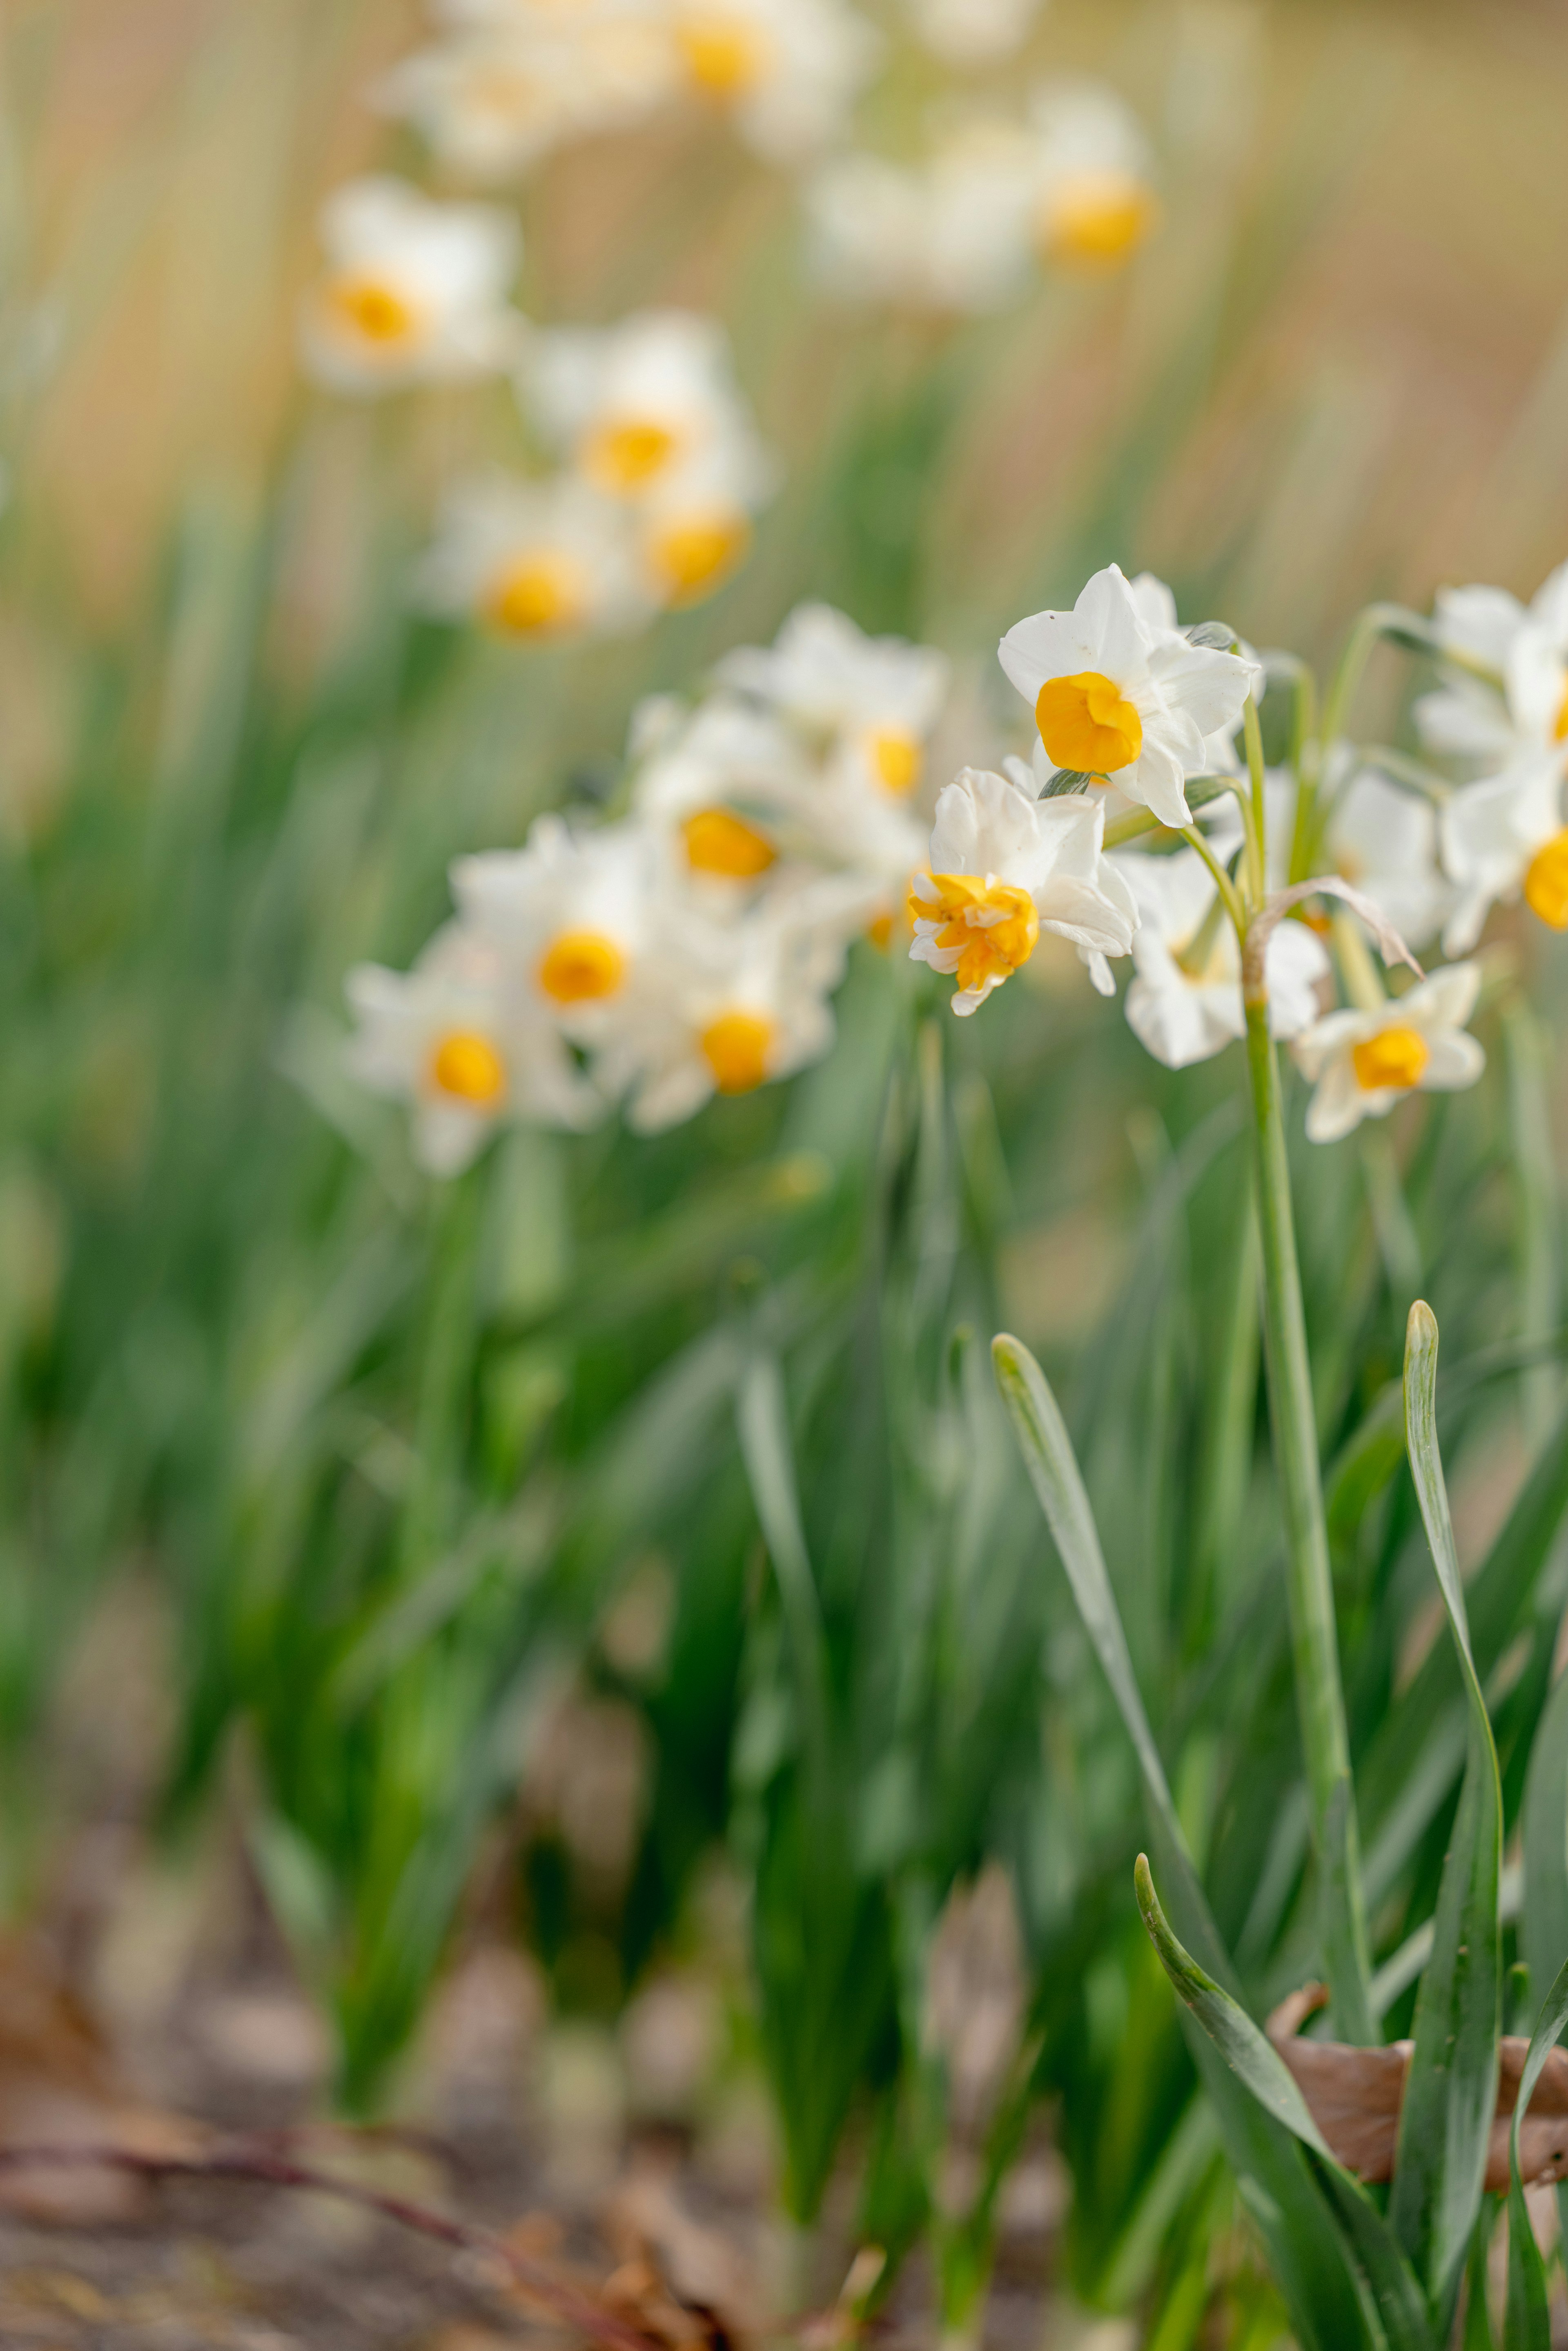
627 454
1546 882
581 967
374 309
736 1048
1559 732
540 595
1394 1057
718 842
724 59
896 759
1098 219
879 931
993 924
466 1065
1085 724
691 559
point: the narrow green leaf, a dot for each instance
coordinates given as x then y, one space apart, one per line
763 1423
1258 2064
1529 2324
1307 2249
1545 1933
1450 2092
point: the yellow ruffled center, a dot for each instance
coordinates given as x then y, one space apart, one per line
378 312
627 453
692 558
542 594
466 1066
718 843
896 758
1393 1058
736 1048
1086 722
582 967
1098 219
723 57
1546 882
993 924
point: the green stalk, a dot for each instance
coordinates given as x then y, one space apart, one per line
1320 1699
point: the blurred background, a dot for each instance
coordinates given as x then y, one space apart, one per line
397 1717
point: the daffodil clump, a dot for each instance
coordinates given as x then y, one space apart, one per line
693 946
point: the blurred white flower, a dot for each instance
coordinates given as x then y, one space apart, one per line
1362 1063
536 561
732 783
974 31
635 406
452 1037
1118 695
787 71
568 917
1003 867
413 291
493 98
722 1007
1385 842
1482 623
1185 1004
1504 837
695 528
950 234
867 704
1094 197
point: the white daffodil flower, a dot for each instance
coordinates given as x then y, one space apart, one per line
1003 867
1386 841
695 528
635 406
539 562
1362 1063
732 783
951 234
787 72
1527 645
495 95
869 704
454 1039
1119 695
413 291
973 32
722 1007
1185 1003
1094 200
568 917
1503 838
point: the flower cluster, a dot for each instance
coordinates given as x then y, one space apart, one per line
506 81
660 468
692 946
1070 186
1130 709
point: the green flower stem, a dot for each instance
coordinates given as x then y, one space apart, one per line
1319 1697
1253 736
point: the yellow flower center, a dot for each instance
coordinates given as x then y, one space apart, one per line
374 309
1559 732
724 58
692 558
466 1065
896 759
540 595
1394 1057
1546 882
626 454
1098 219
582 967
1085 723
718 842
994 924
879 931
736 1048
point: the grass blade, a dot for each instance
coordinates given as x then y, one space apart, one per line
1528 2326
1259 2066
1450 2092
